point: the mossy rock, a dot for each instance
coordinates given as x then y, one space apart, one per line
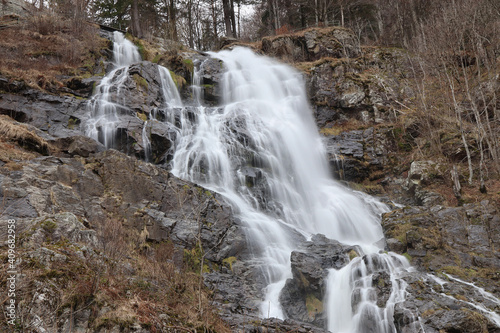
228 262
313 305
140 82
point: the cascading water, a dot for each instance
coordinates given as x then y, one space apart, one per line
104 105
262 152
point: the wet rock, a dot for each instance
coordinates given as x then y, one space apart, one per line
443 305
356 155
303 294
211 71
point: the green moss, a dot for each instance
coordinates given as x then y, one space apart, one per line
407 256
142 116
353 254
189 64
331 131
71 123
178 80
228 262
304 281
399 232
156 59
48 225
140 82
313 305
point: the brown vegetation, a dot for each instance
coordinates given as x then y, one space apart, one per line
124 282
11 130
45 47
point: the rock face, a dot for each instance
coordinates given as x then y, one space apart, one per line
357 155
452 247
313 44
364 88
148 198
457 240
58 116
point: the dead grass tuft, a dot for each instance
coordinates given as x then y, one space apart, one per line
13 131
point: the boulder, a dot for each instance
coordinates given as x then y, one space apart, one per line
422 174
303 294
211 71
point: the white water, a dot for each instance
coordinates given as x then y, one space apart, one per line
108 103
105 104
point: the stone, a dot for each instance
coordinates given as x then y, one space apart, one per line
303 294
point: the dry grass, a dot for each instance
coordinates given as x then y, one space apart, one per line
138 283
350 125
13 131
44 48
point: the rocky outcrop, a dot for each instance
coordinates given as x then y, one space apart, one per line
303 294
58 116
357 155
147 198
462 241
420 175
343 89
313 44
456 250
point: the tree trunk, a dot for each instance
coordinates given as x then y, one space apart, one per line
171 24
239 16
303 19
214 20
136 26
316 12
341 15
190 23
233 19
227 16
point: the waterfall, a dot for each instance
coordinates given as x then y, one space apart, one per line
125 53
105 105
261 150
108 102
